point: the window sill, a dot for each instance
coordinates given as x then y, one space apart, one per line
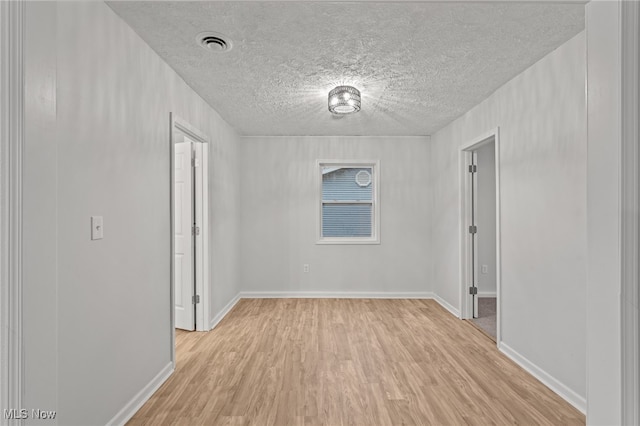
351 241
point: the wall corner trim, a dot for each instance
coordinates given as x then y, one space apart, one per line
579 402
141 397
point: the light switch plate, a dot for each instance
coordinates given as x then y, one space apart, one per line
485 269
96 228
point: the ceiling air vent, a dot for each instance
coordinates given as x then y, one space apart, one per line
215 42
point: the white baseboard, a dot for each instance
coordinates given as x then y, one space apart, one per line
579 402
448 306
141 397
215 320
486 294
335 295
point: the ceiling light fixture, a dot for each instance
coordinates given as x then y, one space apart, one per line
344 100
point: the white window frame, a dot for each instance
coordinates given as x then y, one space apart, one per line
375 180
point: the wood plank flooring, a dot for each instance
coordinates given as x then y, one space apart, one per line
347 361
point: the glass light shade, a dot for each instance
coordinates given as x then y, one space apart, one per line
344 100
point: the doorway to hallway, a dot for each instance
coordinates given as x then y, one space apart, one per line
484 216
189 228
480 229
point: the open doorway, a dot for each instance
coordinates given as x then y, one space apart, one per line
480 284
484 250
189 228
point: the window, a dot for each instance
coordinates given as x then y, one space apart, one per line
348 202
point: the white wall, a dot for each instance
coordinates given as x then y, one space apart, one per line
486 218
40 233
106 303
542 120
604 278
279 217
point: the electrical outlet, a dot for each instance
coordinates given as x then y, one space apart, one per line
305 268
485 269
96 228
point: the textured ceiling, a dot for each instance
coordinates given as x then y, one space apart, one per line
418 65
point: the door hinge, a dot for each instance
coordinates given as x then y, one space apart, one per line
195 230
473 229
473 168
195 162
196 299
473 290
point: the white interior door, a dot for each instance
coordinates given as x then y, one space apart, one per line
184 254
201 212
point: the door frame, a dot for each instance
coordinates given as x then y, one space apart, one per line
466 241
12 143
202 244
629 207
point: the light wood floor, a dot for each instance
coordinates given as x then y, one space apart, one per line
347 361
